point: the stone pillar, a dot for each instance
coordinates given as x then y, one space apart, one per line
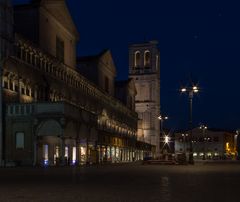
111 157
62 151
77 152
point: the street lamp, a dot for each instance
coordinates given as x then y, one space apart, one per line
204 128
184 143
191 91
162 119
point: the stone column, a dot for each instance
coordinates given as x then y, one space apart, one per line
62 151
77 151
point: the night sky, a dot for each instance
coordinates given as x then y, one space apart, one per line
197 39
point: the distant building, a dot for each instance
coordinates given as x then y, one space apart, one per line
60 110
144 69
211 143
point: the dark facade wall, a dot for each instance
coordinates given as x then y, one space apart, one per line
120 94
20 156
26 22
89 70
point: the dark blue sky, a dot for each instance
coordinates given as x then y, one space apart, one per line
198 38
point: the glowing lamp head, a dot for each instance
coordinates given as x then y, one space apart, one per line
195 89
166 139
183 90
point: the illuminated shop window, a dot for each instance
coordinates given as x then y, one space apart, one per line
66 152
74 155
45 154
56 154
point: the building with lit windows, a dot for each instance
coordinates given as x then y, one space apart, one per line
208 144
144 69
62 110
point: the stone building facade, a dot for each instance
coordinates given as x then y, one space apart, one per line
207 143
144 69
54 113
6 38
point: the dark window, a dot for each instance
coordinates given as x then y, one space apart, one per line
22 109
11 85
137 59
16 88
28 109
215 139
106 84
22 91
17 109
147 59
28 92
5 84
59 49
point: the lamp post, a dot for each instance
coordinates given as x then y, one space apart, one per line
191 91
162 119
184 143
204 128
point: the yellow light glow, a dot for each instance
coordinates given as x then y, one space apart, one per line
227 146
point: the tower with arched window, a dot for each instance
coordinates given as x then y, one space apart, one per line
144 68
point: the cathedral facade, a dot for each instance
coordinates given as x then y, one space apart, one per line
59 109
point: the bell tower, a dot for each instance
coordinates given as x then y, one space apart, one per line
144 68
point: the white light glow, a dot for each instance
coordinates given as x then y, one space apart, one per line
183 89
166 139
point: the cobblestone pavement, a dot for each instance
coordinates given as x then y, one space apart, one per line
129 182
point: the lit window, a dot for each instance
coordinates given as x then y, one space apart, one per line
74 155
57 151
45 154
19 140
66 152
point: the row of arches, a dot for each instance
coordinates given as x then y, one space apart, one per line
146 57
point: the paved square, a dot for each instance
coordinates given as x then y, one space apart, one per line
129 182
